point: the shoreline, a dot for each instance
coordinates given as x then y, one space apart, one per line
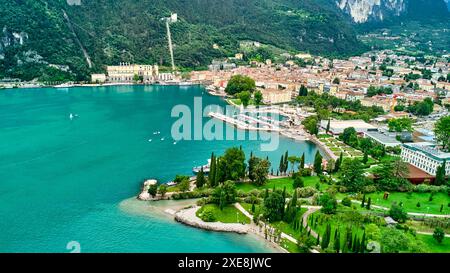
166 209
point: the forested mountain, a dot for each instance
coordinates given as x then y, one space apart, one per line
69 39
36 36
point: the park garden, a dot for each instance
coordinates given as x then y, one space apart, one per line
356 204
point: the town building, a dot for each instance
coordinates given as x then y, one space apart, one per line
98 78
337 127
425 156
126 72
275 96
386 139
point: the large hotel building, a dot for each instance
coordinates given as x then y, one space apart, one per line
425 156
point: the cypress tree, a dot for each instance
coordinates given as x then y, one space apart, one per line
200 180
318 240
337 242
440 174
212 171
350 241
366 157
217 172
253 207
302 162
286 163
281 164
335 233
355 247
328 126
301 224
363 201
318 163
363 243
368 203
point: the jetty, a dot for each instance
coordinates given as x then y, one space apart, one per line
245 122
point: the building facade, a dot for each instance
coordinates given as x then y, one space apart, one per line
126 72
425 156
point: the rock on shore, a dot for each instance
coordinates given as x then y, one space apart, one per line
188 216
144 195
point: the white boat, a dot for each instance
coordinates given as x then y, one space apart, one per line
64 85
171 183
206 167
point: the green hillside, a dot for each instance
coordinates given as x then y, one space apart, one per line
113 31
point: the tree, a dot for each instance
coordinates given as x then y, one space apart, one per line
337 166
328 203
153 190
337 242
369 202
318 163
225 193
400 125
439 234
281 167
391 175
398 213
200 180
328 126
303 91
348 135
326 237
311 124
366 157
298 182
162 190
273 206
258 98
239 83
336 81
261 171
440 174
245 97
352 175
293 159
232 165
302 162
442 132
184 185
212 171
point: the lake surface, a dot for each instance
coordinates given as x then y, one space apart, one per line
64 180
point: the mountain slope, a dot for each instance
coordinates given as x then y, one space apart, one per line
364 11
112 31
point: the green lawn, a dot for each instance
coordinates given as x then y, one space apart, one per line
229 214
433 246
289 246
280 183
287 228
410 201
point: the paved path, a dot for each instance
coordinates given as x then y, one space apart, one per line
311 209
430 233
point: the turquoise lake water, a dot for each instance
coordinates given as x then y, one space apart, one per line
65 180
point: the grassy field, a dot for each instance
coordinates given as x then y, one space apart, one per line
410 201
280 183
229 214
433 245
289 246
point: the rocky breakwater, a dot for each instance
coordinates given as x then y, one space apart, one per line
144 195
188 216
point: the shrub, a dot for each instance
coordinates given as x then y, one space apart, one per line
369 189
398 213
207 215
305 172
306 192
346 202
422 188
